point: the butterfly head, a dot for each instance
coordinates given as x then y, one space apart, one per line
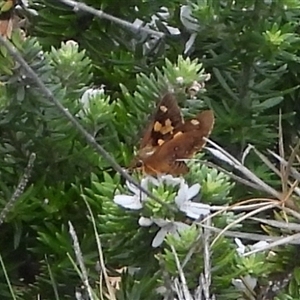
138 161
136 164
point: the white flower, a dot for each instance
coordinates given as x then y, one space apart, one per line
134 201
247 282
168 179
72 43
145 222
183 201
180 80
166 227
259 245
89 94
242 248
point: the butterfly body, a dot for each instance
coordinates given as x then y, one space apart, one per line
169 139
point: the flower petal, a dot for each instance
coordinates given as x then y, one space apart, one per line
171 180
144 184
241 247
159 238
249 281
259 245
181 226
195 210
175 234
132 188
239 284
153 180
161 222
145 222
182 194
193 191
131 202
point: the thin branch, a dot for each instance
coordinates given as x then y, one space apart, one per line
206 279
20 188
283 169
278 224
290 211
238 207
293 171
295 238
233 176
80 262
246 172
77 6
89 138
111 295
10 286
244 217
219 210
267 162
184 286
249 235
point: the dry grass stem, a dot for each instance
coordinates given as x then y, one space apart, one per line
282 241
79 258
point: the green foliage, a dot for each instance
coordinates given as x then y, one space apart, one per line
215 186
137 287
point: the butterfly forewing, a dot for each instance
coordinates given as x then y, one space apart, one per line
166 118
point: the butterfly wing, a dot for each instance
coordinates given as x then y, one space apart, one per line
166 118
186 141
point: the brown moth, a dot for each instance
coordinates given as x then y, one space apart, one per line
170 138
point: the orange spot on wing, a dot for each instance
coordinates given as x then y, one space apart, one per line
168 123
167 128
160 142
163 108
177 134
195 122
157 126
